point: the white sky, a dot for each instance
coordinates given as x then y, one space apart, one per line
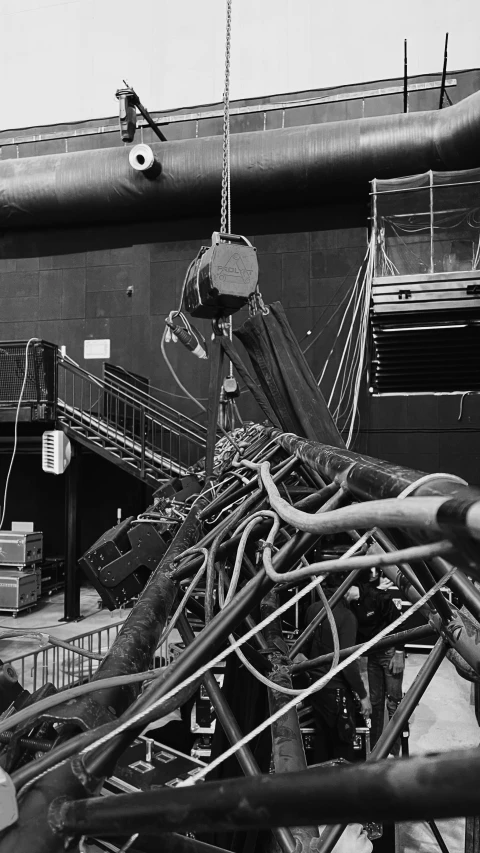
63 61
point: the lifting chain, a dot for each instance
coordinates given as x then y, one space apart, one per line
226 217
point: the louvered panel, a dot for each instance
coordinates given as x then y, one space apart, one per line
434 292
443 358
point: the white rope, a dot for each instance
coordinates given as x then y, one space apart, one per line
352 295
317 685
428 478
3 509
186 596
362 341
137 718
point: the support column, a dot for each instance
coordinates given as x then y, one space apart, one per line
71 611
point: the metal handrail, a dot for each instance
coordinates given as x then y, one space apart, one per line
62 667
143 433
138 392
125 443
153 407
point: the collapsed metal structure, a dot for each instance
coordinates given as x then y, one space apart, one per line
276 501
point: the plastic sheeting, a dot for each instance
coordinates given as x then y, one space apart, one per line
428 223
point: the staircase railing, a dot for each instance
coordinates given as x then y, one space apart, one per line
147 436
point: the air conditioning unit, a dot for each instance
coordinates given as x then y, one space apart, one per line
56 451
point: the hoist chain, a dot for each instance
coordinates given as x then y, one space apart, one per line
226 218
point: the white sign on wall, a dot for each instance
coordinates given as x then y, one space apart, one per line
96 349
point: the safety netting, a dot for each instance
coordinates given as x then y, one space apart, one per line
427 224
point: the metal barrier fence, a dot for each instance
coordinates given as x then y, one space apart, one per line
64 668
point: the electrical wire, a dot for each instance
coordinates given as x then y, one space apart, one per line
390 512
272 685
43 705
46 639
239 557
140 715
192 585
315 686
176 378
337 309
15 440
132 721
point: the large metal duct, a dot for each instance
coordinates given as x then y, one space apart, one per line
287 167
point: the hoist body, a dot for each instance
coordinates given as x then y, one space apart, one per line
222 277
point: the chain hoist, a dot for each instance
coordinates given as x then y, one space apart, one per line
226 211
223 278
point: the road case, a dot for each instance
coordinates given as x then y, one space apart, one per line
18 590
20 549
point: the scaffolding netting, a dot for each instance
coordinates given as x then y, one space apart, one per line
427 224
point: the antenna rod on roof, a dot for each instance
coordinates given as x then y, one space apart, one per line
405 78
444 73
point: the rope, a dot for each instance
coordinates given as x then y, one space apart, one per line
317 685
188 592
390 512
137 718
428 478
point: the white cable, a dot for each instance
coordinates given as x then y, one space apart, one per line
428 478
15 441
206 668
188 592
317 685
239 559
213 662
359 283
341 324
363 342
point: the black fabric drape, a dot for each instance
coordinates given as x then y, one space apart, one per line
249 703
286 378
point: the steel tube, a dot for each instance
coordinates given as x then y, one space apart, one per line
135 644
207 643
394 729
233 732
443 785
385 643
318 619
366 478
462 586
186 570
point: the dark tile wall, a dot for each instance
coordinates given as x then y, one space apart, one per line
119 282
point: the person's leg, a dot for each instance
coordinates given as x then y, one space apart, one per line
342 736
324 709
376 684
322 742
394 691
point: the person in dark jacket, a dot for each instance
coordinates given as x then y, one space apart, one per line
334 705
374 609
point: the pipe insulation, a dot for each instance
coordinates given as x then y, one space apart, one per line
284 167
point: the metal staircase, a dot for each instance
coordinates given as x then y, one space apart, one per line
125 425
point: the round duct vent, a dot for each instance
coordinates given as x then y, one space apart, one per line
141 158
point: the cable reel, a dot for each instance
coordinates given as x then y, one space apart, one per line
222 278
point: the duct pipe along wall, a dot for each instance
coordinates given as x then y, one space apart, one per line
286 167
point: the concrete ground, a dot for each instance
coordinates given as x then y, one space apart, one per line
444 720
